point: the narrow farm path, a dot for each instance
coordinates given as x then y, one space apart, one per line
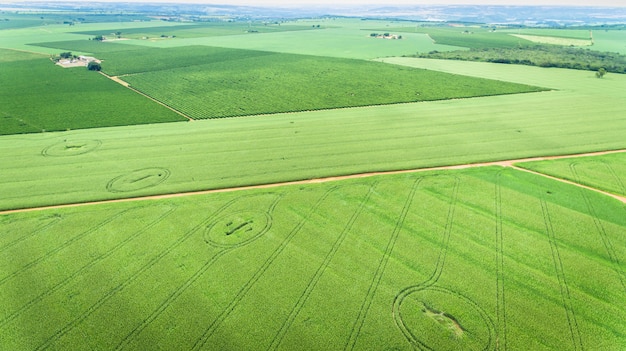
118 80
503 163
620 198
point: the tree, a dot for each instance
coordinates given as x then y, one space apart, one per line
93 66
66 55
601 72
99 38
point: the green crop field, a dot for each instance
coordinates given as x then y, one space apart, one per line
465 36
582 114
214 82
208 29
90 47
334 40
607 172
207 82
472 260
44 97
479 258
610 40
157 60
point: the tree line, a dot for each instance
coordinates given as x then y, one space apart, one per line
540 55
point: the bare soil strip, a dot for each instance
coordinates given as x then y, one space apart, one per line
126 85
504 163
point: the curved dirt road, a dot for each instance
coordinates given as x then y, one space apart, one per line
504 163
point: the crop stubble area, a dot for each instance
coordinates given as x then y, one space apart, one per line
474 259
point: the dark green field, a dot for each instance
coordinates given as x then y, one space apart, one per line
44 97
213 82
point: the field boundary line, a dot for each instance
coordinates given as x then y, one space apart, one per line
125 84
503 163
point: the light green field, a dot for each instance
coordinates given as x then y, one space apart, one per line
584 114
607 172
336 38
562 41
472 260
331 42
464 36
198 30
20 39
340 38
611 40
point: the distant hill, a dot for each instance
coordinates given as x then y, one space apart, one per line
524 15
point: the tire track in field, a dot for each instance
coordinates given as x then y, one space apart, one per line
500 291
276 341
606 241
100 302
36 231
502 163
566 298
188 283
382 265
64 245
434 277
125 84
617 179
201 341
80 271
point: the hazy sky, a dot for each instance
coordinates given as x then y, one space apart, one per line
291 3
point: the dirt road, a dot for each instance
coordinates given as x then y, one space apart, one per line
504 163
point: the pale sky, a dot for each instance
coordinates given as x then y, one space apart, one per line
295 3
